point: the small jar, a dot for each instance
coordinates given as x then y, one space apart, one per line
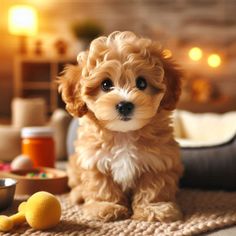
38 144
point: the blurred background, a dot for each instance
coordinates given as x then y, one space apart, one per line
38 37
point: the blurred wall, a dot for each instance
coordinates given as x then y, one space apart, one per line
168 20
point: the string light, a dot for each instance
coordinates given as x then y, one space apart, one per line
214 60
167 53
195 53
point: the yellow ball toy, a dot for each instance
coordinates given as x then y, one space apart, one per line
41 211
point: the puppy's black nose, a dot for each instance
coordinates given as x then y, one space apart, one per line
125 108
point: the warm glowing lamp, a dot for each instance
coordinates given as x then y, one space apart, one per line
23 22
214 60
195 53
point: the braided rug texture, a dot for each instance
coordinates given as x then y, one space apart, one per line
203 212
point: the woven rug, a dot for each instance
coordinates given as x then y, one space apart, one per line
203 212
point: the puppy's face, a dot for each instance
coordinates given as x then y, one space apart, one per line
123 96
122 81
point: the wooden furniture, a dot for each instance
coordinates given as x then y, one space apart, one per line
221 106
56 183
36 77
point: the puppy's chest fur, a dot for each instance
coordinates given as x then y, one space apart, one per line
122 160
125 161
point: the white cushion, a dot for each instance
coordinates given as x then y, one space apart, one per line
208 129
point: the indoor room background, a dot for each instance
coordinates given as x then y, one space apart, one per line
199 34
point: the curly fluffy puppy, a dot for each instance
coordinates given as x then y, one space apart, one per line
127 161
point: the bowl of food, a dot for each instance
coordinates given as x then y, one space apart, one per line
30 181
7 192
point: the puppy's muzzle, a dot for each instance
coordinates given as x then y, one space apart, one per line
125 109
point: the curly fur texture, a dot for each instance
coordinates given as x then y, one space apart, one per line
124 167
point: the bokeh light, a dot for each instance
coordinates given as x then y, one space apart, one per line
167 53
214 60
195 53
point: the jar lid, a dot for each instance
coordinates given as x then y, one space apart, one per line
31 132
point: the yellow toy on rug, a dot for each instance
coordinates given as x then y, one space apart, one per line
41 211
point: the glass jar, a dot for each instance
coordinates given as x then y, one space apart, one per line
38 144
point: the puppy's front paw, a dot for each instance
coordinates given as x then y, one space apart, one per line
76 195
160 211
104 211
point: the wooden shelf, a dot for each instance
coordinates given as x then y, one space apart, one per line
36 85
36 77
41 59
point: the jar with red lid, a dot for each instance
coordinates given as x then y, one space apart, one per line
38 144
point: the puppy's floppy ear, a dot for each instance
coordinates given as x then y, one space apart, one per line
70 88
172 78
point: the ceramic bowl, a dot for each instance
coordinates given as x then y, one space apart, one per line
27 185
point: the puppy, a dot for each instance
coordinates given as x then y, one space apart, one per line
127 161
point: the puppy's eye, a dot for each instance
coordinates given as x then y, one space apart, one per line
107 85
141 83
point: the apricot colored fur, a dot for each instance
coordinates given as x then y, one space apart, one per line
124 168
